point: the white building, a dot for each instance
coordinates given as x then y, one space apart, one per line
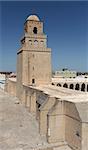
65 73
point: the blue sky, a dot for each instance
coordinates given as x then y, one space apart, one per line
65 23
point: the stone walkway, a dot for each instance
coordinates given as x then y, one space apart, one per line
18 128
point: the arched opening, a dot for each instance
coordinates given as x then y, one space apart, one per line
35 30
59 84
35 43
33 81
65 85
77 86
53 84
83 87
30 42
71 86
41 43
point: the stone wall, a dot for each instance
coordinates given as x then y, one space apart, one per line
44 109
11 87
31 67
56 123
19 89
59 120
84 136
64 124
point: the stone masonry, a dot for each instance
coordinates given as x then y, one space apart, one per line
61 113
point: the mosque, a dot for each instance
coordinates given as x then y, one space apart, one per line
62 113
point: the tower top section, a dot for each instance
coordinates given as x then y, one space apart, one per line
33 18
34 27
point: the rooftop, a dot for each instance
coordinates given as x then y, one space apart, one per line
63 94
77 79
33 18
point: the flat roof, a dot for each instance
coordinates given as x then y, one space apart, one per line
63 93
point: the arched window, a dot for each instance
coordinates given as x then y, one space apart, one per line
41 43
65 85
59 84
83 87
77 86
35 43
71 86
53 84
35 30
30 42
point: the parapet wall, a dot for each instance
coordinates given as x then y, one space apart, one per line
85 136
59 120
10 87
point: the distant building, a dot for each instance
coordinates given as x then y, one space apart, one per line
65 73
3 76
12 75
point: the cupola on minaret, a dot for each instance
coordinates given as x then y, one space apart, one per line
34 58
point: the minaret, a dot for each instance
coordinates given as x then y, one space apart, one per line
34 58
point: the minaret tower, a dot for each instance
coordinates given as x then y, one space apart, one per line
34 58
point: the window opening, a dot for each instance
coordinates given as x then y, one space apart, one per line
35 43
30 42
71 86
33 81
59 84
35 30
77 87
83 87
65 85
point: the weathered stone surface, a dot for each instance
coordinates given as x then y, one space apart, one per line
18 128
62 113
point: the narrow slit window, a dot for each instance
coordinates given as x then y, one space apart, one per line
33 81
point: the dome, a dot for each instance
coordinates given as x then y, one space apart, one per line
33 17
